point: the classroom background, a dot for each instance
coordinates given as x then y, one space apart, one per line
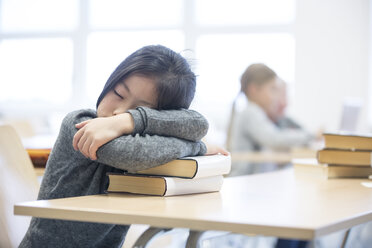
56 55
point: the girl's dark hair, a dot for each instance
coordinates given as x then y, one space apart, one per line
175 82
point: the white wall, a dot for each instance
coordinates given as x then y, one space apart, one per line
332 56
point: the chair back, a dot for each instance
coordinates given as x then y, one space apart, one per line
18 183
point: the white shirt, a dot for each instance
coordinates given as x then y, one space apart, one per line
254 131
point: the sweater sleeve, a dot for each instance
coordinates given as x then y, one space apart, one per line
255 124
134 152
184 124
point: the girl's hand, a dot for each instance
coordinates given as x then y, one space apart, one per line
94 133
214 149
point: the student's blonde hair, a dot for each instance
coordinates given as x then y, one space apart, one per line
258 74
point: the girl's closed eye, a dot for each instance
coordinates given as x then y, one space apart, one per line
116 93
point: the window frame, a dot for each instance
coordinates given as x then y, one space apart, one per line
79 37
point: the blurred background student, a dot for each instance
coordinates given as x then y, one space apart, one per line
262 125
279 116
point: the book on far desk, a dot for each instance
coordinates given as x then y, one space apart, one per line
39 157
162 186
192 167
310 168
345 157
348 141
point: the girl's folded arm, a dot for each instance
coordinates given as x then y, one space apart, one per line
184 124
134 153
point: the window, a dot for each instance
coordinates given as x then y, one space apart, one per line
22 16
37 70
223 58
219 13
56 55
107 49
146 14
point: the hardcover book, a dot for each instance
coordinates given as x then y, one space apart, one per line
348 141
310 168
162 186
345 157
192 167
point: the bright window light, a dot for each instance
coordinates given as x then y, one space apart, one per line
243 12
107 49
54 52
38 15
139 13
222 60
35 70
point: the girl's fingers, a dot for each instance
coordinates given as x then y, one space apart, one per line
93 151
82 124
77 138
85 147
213 149
224 152
81 144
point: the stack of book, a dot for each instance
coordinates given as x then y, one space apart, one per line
343 156
188 175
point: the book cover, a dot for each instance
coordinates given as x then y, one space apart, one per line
162 186
348 141
192 167
39 157
345 157
310 168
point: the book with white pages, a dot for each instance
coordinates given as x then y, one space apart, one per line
192 167
162 186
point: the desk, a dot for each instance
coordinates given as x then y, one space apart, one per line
273 156
39 157
272 204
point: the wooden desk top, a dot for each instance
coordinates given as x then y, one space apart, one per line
273 156
272 204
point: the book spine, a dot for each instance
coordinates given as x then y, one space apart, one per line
345 157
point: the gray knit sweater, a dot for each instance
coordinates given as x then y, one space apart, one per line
159 137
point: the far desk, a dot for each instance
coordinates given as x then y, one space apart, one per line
278 157
39 157
271 204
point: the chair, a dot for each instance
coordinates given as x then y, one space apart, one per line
18 182
23 127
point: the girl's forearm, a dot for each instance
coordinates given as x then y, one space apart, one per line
183 124
133 153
